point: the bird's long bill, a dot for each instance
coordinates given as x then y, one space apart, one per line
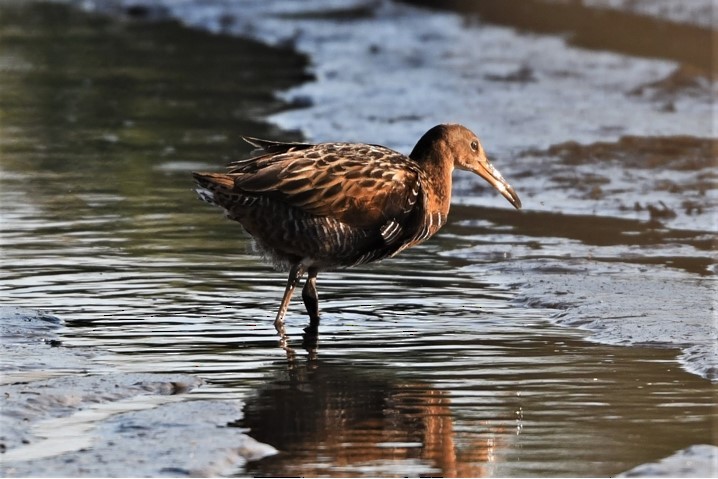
487 171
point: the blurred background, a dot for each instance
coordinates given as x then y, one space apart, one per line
576 337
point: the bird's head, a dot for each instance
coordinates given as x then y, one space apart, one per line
468 154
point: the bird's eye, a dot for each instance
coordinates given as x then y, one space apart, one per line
475 145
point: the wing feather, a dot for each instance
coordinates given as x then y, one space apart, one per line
361 185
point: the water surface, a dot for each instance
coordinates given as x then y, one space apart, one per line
429 364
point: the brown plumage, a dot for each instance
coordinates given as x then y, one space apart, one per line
316 207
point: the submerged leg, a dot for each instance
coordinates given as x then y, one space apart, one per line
311 302
295 273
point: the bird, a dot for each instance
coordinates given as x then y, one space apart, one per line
317 207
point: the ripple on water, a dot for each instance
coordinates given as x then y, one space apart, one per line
427 363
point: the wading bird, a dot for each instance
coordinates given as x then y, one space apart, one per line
311 208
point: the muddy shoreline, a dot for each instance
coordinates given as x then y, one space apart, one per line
617 26
151 283
64 415
83 420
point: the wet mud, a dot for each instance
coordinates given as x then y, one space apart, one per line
681 464
604 26
59 402
574 338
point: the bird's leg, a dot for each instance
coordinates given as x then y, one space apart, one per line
311 302
295 273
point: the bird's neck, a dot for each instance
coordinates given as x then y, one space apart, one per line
438 183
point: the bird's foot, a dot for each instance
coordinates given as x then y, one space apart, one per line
310 338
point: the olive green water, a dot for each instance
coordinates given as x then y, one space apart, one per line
427 365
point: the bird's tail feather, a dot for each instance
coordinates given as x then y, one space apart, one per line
219 189
212 186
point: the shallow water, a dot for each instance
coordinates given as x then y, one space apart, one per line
432 363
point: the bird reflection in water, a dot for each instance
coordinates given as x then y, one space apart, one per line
329 419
